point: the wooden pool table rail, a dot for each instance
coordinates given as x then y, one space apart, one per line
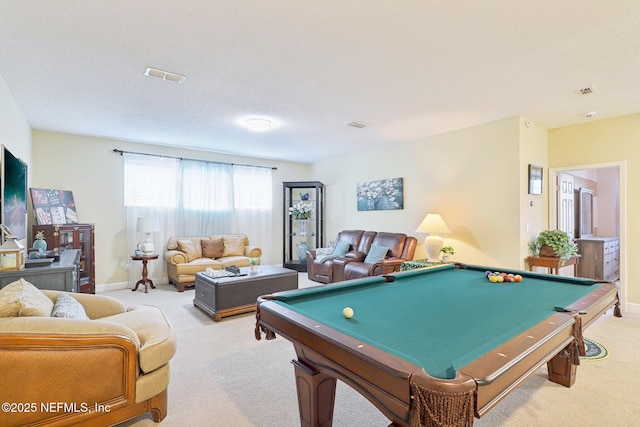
325 355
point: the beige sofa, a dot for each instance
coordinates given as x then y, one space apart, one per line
186 256
100 369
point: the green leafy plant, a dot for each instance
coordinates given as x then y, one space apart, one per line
558 241
254 261
448 250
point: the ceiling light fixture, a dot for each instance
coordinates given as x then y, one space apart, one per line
590 114
358 125
258 125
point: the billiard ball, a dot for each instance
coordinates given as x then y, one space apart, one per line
347 312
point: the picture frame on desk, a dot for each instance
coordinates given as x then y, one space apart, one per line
535 179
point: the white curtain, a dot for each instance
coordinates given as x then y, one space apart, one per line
205 206
252 201
194 198
151 190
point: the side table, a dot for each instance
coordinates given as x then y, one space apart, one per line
553 263
145 280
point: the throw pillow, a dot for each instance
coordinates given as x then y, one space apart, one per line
21 299
341 249
234 245
212 248
190 250
68 307
376 253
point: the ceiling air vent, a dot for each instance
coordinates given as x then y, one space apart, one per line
357 125
586 90
164 75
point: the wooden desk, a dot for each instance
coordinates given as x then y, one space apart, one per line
145 280
552 263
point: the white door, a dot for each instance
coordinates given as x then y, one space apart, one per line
565 204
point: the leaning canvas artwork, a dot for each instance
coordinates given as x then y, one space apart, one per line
383 194
53 206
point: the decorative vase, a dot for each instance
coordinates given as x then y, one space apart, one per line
303 247
303 227
304 196
254 269
40 245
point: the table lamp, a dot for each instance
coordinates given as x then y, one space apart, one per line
434 225
147 225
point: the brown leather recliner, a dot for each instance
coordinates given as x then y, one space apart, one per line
333 269
400 248
322 270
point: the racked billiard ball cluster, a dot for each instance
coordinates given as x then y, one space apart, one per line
498 277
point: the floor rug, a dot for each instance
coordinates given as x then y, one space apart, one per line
594 351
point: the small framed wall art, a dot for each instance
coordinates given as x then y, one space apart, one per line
535 179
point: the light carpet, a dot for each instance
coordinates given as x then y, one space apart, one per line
222 376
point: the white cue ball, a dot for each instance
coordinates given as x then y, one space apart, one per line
347 312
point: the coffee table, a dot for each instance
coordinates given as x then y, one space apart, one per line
226 296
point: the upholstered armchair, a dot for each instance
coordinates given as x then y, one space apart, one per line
99 364
386 253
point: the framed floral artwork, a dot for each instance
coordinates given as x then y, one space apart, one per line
383 194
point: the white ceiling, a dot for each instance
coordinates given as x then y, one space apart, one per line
406 68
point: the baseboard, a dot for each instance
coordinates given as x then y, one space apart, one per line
112 286
632 308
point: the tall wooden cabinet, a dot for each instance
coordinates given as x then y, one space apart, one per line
73 236
599 258
302 233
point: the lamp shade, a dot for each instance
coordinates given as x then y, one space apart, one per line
147 225
433 224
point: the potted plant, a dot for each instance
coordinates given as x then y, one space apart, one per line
554 243
447 251
253 262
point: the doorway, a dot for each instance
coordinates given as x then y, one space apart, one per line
603 188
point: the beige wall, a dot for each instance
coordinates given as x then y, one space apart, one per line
533 207
608 141
472 177
88 167
15 132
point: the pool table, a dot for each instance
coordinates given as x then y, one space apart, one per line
432 346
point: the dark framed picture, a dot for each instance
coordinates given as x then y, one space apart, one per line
14 193
535 179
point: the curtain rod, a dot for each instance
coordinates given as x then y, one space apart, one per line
121 152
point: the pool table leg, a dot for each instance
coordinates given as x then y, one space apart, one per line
561 369
316 395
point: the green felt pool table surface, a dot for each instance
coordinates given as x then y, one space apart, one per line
441 318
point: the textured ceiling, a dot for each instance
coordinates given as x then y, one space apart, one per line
406 68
